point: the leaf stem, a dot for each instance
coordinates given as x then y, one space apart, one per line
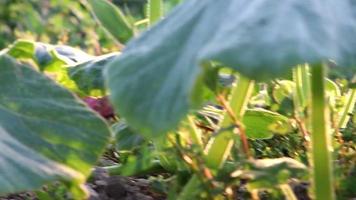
321 156
155 11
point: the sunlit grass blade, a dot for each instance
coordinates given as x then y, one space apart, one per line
347 109
302 91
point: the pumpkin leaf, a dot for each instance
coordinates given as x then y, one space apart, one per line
88 75
262 124
46 133
163 64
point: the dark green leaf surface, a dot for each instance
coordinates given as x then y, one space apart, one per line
88 76
260 39
126 139
22 168
46 133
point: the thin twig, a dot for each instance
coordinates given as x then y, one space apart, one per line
304 130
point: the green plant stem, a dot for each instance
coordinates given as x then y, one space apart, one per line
347 109
219 147
155 11
321 156
195 133
288 192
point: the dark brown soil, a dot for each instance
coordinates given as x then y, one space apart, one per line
105 187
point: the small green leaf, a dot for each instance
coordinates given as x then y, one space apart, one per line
46 133
47 57
112 19
126 139
269 173
332 88
137 164
88 76
52 59
262 124
283 89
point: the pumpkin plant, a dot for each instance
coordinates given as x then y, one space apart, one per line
188 97
167 64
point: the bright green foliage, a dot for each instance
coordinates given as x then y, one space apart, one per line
262 124
137 165
348 109
47 57
267 173
44 57
70 67
46 133
282 90
112 19
155 10
51 21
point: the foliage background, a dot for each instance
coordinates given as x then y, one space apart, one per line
59 22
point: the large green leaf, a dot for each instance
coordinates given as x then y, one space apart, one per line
152 87
46 133
152 82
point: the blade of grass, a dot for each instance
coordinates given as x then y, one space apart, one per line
301 94
348 108
321 156
195 133
288 192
